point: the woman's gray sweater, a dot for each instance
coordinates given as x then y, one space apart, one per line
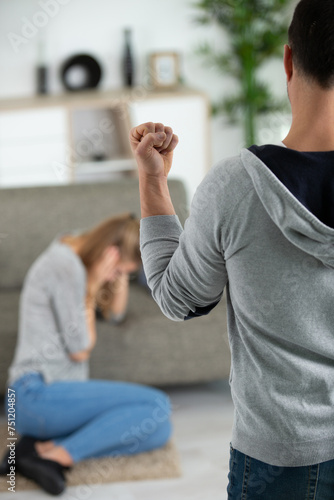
248 232
52 317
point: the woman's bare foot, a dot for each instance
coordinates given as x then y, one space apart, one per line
55 453
43 446
58 454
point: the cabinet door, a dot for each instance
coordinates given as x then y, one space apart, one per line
188 116
33 147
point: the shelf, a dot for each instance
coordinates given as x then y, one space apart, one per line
95 97
105 166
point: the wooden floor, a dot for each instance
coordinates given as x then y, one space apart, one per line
202 419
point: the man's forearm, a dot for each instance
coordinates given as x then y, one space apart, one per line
154 196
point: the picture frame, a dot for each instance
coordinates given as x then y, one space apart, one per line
165 69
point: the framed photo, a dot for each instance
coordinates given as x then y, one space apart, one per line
165 69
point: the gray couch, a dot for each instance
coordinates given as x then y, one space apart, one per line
147 348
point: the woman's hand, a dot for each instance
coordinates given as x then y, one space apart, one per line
119 302
91 328
153 145
105 269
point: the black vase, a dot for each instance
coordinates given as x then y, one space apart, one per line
41 68
128 63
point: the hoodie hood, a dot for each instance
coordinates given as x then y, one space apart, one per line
298 224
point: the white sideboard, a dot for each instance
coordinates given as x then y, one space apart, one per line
83 137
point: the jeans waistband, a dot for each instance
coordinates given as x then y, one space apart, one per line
28 379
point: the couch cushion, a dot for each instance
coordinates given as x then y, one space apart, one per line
9 307
160 351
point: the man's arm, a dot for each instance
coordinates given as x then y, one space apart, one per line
185 269
153 146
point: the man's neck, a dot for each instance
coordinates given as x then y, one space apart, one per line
303 140
312 126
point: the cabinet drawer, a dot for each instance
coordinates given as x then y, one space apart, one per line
33 163
16 126
31 154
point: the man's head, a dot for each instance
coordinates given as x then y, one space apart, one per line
311 39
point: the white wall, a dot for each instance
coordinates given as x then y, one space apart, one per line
96 27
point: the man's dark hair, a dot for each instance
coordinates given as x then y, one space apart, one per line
311 38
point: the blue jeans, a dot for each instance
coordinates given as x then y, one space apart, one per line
93 418
250 479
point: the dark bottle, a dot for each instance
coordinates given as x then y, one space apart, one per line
128 64
41 75
41 70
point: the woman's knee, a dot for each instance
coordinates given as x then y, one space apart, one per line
166 432
157 434
157 425
162 401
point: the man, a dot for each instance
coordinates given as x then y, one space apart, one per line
262 225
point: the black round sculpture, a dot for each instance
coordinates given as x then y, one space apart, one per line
90 68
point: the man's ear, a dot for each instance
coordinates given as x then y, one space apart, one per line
288 65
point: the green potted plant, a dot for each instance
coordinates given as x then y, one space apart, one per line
257 30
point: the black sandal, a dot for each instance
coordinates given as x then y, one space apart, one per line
25 446
4 465
48 474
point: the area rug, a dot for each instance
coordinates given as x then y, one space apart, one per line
162 463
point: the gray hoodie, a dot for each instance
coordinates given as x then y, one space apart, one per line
247 232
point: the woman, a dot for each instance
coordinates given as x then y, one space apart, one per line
67 417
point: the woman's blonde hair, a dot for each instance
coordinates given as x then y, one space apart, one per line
121 231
